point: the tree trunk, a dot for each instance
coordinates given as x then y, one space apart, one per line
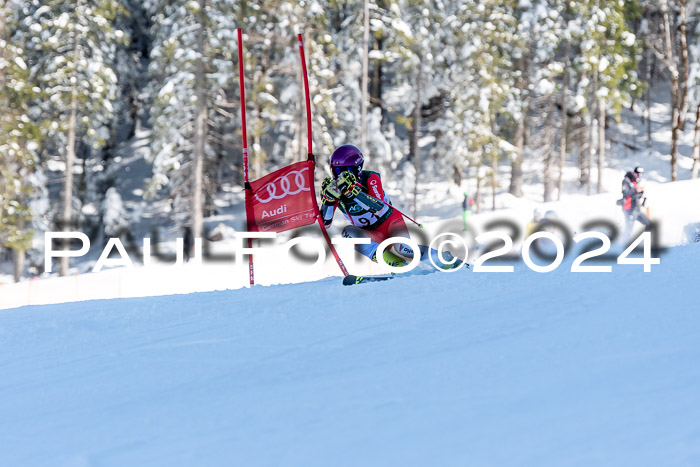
259 157
679 84
685 64
494 173
582 138
564 121
200 127
650 78
675 130
19 254
2 50
549 149
477 196
516 171
591 152
416 132
593 129
601 143
365 78
18 260
67 214
221 155
494 163
376 80
375 92
696 146
457 175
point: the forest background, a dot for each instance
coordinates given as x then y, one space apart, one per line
491 91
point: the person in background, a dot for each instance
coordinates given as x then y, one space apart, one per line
632 200
467 204
534 224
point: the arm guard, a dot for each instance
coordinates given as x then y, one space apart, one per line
327 211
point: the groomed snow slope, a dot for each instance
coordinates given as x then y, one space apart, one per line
468 368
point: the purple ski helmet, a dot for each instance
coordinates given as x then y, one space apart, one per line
347 157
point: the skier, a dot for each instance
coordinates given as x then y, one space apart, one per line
361 198
632 200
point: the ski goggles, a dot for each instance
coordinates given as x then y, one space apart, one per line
338 170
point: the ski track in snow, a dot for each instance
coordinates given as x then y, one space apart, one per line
447 369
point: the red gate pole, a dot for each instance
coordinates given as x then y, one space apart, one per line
248 189
308 100
311 157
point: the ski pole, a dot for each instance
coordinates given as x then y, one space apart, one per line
408 217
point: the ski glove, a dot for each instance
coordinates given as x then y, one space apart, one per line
347 184
329 191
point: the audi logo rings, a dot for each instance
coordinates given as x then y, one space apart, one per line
284 186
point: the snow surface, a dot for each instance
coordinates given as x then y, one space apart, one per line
447 369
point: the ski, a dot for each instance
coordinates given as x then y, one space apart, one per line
352 280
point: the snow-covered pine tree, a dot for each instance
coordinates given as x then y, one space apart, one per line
335 77
114 217
532 53
195 113
331 120
488 45
460 142
179 71
545 23
275 93
131 58
417 44
70 52
676 59
19 142
606 55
